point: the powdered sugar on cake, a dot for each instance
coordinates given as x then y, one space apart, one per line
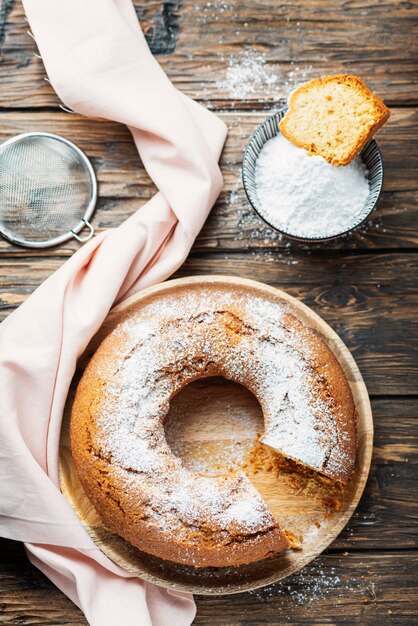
194 334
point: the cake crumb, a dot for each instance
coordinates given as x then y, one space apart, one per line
294 543
331 505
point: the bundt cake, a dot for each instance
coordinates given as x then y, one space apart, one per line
139 487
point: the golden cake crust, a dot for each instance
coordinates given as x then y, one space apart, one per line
143 492
333 117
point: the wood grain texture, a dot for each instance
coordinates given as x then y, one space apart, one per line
352 589
351 599
374 40
369 300
365 286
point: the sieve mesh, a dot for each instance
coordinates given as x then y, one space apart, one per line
47 187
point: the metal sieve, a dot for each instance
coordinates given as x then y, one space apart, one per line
48 190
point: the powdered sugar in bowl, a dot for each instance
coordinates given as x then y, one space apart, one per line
305 197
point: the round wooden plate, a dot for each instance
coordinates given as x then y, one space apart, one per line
212 425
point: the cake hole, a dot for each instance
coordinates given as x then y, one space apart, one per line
212 425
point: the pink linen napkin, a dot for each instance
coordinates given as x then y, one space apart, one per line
100 65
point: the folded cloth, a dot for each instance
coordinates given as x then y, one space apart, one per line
99 63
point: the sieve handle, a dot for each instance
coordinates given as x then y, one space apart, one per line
87 237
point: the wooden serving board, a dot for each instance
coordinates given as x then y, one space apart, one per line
212 425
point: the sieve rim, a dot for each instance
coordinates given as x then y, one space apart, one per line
54 241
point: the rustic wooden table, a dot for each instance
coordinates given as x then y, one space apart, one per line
365 286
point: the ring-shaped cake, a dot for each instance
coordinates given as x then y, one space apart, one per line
139 487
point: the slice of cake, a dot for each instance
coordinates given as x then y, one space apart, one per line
333 117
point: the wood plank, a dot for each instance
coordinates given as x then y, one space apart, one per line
353 590
388 512
196 40
27 596
124 185
233 226
370 300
